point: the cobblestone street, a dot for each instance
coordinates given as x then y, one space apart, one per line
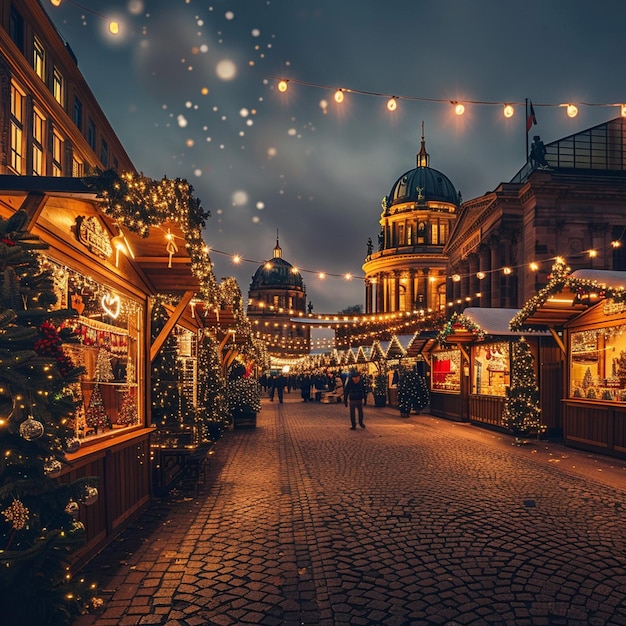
406 522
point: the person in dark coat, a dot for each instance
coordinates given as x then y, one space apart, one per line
354 393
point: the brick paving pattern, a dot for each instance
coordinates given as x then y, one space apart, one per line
407 522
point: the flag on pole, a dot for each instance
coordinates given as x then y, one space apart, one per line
530 119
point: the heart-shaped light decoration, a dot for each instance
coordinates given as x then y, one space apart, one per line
111 305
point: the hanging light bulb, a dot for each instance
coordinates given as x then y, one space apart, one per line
456 278
55 3
236 259
114 28
508 110
392 104
282 86
507 270
459 108
480 275
572 110
623 110
339 96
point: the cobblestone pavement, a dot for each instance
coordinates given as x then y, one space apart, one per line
406 522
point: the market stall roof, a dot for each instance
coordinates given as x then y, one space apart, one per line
421 341
492 321
566 297
56 202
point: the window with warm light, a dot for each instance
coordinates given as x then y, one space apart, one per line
491 369
58 86
446 371
38 142
107 328
39 58
17 122
598 362
57 154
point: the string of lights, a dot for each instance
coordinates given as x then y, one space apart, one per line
113 25
508 107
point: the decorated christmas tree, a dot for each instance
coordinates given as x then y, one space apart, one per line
412 392
522 413
95 414
165 388
38 515
212 407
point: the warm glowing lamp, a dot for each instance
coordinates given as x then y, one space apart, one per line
593 254
114 28
508 110
322 276
339 96
459 108
507 270
55 3
392 104
480 275
456 278
348 276
534 266
623 110
616 243
282 86
572 110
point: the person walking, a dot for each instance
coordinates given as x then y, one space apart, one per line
354 393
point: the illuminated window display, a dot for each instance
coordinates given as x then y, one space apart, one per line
491 372
598 364
446 372
108 334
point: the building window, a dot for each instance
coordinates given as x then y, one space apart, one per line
57 155
434 235
91 134
39 57
17 130
58 86
16 29
39 133
491 373
78 168
104 153
78 114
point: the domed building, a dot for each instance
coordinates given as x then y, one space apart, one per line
277 294
408 271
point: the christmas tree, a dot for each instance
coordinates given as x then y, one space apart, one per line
165 388
38 525
522 412
212 407
96 415
412 392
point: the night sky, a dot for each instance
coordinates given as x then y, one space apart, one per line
190 87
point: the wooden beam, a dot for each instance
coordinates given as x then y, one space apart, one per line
33 205
558 340
169 325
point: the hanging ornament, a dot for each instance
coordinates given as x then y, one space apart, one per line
72 445
52 468
72 508
91 495
78 528
31 429
170 247
17 514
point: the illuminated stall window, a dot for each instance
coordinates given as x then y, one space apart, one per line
446 371
108 331
598 364
491 371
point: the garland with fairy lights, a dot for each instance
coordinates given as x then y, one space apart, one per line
560 278
140 203
459 321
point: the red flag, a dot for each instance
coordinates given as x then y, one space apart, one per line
531 119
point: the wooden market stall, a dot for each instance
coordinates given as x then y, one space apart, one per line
108 275
471 368
586 312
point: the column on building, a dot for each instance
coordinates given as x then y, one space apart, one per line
484 267
494 278
474 286
465 283
396 291
410 296
368 296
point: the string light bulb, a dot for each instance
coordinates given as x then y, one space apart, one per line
392 104
114 28
282 86
339 96
459 108
509 111
55 3
572 110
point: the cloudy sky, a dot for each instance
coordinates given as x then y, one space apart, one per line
190 87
